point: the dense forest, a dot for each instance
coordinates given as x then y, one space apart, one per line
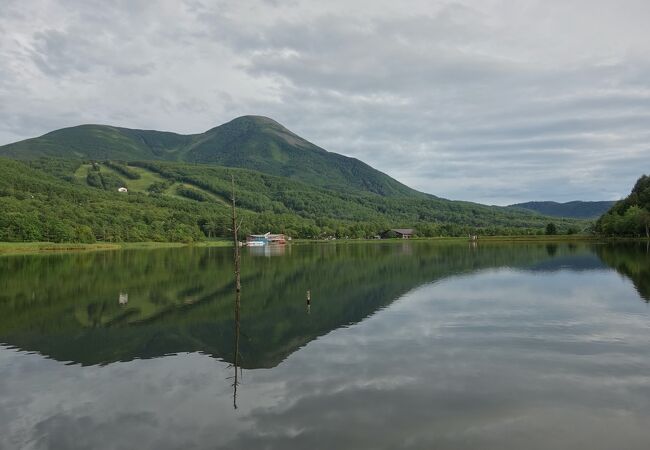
67 200
630 216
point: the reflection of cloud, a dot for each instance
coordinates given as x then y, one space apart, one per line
65 431
497 373
154 403
498 359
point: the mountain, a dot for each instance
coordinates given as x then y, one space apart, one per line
575 209
63 186
248 142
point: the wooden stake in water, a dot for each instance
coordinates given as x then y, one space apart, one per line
236 260
235 239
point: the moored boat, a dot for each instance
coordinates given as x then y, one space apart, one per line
259 240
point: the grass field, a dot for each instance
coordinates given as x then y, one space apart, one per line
147 178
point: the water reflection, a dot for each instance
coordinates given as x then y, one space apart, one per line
172 301
631 260
237 369
423 346
551 249
269 250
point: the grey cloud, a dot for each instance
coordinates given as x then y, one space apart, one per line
58 54
470 91
357 56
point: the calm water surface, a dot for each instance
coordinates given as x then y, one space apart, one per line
413 345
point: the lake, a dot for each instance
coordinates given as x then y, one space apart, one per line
402 345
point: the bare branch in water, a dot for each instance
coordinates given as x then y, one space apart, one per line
236 260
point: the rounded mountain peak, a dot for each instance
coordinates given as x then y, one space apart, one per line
250 122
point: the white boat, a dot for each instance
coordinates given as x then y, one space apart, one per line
259 240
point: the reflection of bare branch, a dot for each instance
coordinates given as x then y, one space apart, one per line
236 356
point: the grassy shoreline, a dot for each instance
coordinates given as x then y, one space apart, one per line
519 238
22 248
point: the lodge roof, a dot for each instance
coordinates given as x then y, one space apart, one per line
403 230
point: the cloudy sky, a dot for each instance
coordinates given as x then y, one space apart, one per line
490 100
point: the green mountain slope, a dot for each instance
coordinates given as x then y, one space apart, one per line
266 193
248 142
98 142
575 209
262 144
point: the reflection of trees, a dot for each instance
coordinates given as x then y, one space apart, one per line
180 300
551 249
631 260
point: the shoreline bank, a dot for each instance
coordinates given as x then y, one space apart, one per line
24 248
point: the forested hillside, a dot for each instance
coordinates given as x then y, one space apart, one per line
38 207
630 216
65 200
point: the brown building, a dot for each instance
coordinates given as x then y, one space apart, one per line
404 233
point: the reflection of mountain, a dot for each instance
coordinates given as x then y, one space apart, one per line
631 260
72 307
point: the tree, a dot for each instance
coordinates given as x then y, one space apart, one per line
551 229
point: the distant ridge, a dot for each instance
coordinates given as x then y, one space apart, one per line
575 209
